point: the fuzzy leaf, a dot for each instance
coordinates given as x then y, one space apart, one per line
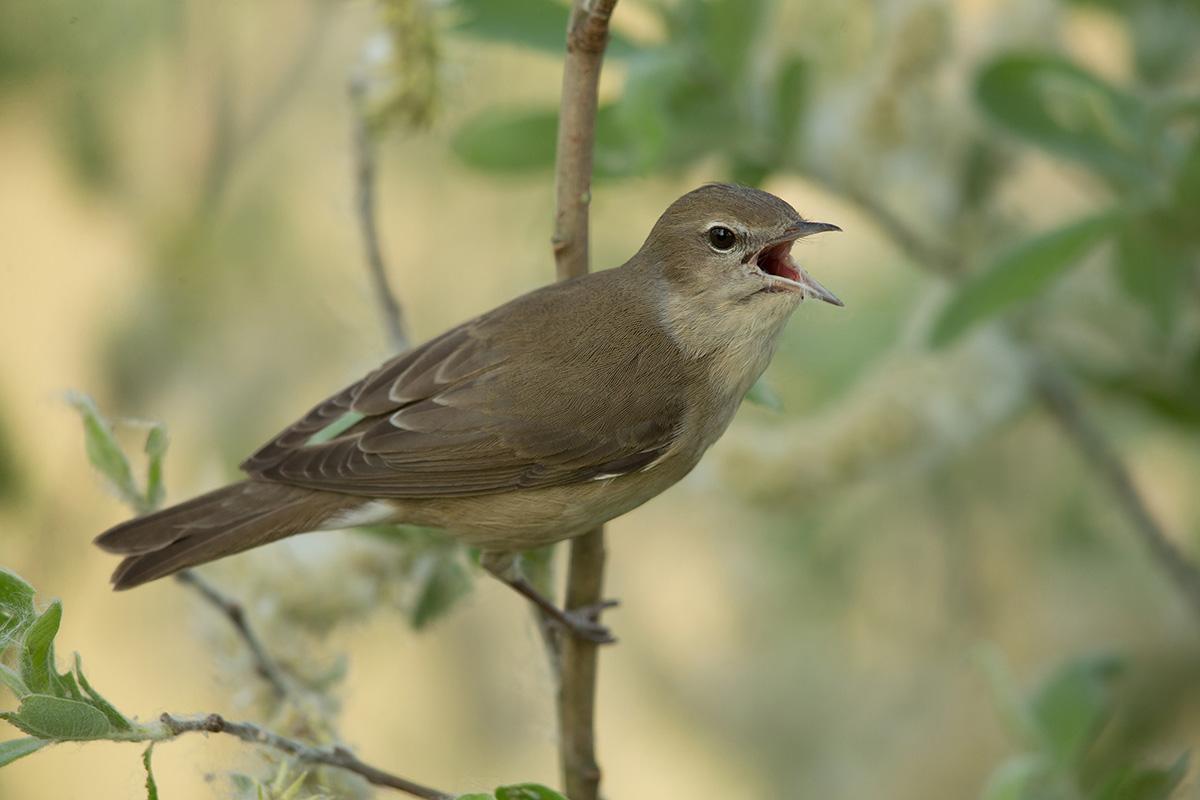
105 453
115 718
13 681
16 606
13 749
37 656
57 718
1020 273
761 394
151 785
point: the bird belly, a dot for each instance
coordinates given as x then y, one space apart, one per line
535 517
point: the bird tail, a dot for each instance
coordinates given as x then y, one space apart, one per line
223 522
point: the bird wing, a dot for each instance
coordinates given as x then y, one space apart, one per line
494 405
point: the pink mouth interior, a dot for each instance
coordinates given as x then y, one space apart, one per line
777 261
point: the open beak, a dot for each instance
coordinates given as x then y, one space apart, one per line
784 274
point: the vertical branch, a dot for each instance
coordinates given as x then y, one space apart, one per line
365 179
587 36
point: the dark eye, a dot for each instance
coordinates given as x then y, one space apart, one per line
721 238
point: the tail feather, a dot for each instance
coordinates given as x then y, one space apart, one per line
220 523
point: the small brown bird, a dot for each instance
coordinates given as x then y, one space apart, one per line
534 422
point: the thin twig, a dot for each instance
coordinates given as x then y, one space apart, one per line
1057 396
336 756
1063 404
587 36
365 180
264 665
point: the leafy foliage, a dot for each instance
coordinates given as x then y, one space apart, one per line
1058 724
54 706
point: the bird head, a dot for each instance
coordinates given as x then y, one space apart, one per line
731 246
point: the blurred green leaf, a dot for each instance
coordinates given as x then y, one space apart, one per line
58 718
731 31
105 453
1187 186
1010 705
527 791
1068 111
13 749
1145 783
1071 707
156 450
87 136
476 796
151 784
508 140
441 581
539 24
37 656
1016 779
1154 267
516 141
537 565
1020 273
792 91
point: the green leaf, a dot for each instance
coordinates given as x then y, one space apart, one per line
13 749
731 31
16 607
1187 186
1020 273
508 140
115 717
57 718
151 785
1068 111
37 655
156 450
1071 707
441 581
537 567
792 91
1154 267
527 791
1145 783
762 394
105 453
475 796
13 681
1016 778
539 24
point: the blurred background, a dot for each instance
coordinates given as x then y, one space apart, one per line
898 575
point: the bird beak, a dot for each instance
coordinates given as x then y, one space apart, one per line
815 290
806 228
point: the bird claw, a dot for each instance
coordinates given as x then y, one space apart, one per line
584 622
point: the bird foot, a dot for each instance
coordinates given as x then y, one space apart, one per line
584 622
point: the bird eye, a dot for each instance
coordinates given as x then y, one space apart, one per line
721 238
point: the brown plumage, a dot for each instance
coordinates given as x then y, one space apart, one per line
534 422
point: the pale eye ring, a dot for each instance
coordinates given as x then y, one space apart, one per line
721 239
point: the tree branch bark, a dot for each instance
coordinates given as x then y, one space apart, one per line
339 757
364 181
587 37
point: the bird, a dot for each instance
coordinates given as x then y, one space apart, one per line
532 423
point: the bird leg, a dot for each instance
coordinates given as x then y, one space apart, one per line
583 622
